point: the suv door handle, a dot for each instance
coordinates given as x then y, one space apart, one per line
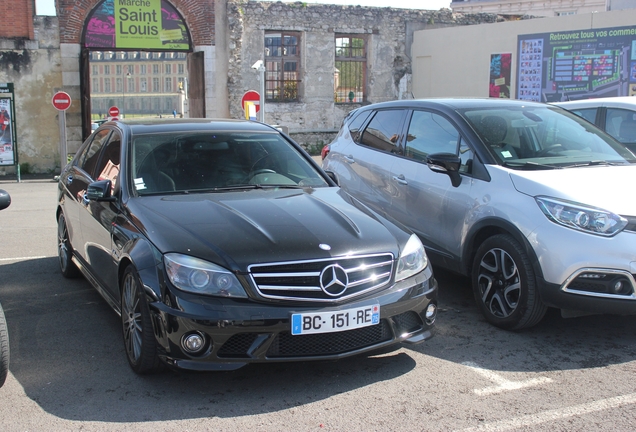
401 179
350 159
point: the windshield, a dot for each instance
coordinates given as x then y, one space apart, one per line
536 137
209 161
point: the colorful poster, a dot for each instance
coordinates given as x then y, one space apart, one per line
6 133
136 24
578 64
500 75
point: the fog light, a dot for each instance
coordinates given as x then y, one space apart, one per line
193 343
431 313
618 286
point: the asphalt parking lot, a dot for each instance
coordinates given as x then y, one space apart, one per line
68 369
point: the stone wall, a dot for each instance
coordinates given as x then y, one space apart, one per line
34 67
389 35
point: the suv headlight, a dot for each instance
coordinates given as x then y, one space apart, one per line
580 217
201 277
412 259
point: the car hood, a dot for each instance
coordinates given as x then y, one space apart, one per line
236 229
606 187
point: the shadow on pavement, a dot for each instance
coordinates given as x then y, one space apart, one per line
67 354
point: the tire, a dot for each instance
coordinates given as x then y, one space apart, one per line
65 250
4 348
139 339
504 284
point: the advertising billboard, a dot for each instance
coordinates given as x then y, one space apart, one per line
6 133
136 24
578 64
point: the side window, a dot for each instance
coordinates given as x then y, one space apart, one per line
356 123
383 132
588 114
88 160
109 163
430 133
621 124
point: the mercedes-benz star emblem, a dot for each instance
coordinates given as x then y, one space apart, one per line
334 280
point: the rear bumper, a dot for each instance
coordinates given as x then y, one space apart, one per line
237 333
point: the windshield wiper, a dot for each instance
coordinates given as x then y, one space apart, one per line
529 165
595 163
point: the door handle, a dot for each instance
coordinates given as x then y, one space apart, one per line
350 159
401 179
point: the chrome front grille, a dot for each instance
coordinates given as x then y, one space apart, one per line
301 280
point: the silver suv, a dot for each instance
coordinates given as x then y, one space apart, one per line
532 202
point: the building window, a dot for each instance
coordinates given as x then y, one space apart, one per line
282 66
168 85
351 67
107 85
131 85
143 69
180 68
155 85
118 85
118 69
155 69
168 68
130 69
95 88
106 69
143 83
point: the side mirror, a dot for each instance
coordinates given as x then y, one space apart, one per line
333 176
100 191
446 163
5 199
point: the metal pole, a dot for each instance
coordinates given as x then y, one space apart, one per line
261 69
62 122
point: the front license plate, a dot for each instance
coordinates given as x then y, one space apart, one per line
335 321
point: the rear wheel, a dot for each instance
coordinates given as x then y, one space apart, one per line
4 348
65 250
504 284
139 339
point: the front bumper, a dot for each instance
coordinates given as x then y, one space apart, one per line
240 332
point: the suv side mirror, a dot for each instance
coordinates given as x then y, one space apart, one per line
446 163
5 199
100 191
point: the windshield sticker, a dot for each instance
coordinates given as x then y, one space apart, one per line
139 184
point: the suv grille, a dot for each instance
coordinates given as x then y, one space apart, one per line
310 280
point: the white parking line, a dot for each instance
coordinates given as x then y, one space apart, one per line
553 415
23 258
502 383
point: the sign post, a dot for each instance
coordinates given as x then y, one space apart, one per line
62 101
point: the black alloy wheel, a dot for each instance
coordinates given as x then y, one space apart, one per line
65 250
139 339
504 284
4 348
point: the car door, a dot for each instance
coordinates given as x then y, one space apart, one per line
76 180
371 158
97 219
425 200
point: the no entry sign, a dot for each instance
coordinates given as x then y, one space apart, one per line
113 111
61 101
251 96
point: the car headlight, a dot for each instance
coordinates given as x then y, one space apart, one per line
412 259
580 217
201 277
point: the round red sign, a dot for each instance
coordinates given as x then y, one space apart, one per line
113 111
252 96
61 101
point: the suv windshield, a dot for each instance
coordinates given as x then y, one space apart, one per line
544 138
217 161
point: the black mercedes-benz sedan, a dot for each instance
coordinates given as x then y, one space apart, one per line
222 243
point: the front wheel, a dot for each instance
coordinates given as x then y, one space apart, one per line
504 284
139 339
4 348
65 250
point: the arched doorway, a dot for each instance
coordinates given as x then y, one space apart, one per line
145 39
